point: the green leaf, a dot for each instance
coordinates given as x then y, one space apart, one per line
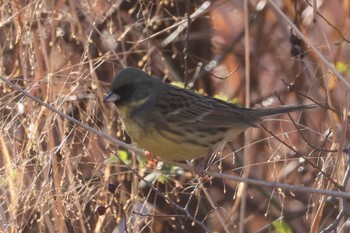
341 67
163 178
123 156
281 226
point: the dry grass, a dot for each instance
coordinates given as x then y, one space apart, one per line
53 173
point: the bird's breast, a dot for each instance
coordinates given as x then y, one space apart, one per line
174 142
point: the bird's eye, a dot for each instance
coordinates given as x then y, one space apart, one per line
125 91
128 90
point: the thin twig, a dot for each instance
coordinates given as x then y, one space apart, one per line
110 138
278 185
297 128
307 41
302 156
314 6
185 50
344 209
75 121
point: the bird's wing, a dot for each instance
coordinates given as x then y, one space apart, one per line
183 107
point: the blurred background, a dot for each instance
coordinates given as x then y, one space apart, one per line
58 177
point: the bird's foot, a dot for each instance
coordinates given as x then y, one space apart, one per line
199 167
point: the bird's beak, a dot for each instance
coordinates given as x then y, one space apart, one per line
111 97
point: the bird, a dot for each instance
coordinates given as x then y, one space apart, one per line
176 123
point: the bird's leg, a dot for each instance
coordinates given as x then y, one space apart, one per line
200 165
152 162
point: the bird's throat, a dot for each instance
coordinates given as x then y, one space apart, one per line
125 110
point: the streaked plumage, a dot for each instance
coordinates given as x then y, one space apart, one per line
176 123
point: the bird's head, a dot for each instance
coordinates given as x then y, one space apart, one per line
131 86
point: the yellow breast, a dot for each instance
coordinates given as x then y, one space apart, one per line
171 146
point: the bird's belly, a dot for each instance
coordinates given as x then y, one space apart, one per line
172 146
165 144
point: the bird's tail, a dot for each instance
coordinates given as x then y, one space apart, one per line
282 109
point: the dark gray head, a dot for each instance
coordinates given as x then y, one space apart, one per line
131 85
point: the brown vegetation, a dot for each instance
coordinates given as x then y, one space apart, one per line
57 176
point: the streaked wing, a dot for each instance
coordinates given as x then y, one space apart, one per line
183 107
